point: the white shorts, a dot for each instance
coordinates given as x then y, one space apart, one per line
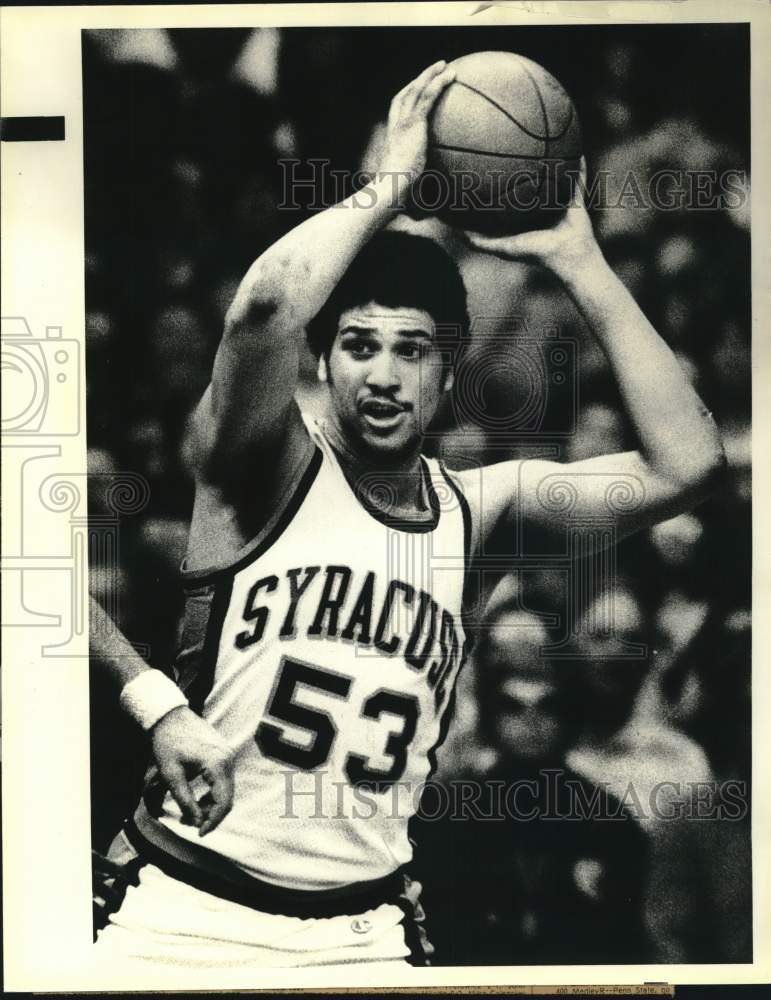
164 924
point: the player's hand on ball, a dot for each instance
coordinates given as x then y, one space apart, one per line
566 245
188 751
406 140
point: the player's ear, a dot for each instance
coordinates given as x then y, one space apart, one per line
322 369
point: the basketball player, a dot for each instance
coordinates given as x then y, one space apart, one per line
325 573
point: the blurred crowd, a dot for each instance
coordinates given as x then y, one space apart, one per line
185 131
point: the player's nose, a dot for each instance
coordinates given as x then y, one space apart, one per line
383 372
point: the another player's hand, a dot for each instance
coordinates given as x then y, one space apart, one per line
188 750
406 140
565 246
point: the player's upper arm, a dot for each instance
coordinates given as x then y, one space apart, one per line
249 405
621 488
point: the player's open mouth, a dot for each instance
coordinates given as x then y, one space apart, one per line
381 414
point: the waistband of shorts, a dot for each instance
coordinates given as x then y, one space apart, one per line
267 897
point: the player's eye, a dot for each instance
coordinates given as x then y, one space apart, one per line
359 348
411 351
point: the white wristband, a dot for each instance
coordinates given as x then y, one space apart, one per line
149 696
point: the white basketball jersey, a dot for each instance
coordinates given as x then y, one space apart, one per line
327 656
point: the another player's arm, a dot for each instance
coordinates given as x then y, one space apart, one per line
680 458
249 404
184 745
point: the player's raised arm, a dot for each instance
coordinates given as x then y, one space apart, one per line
680 457
249 403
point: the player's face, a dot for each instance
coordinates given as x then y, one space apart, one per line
385 377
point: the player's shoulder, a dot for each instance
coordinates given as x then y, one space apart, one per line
490 492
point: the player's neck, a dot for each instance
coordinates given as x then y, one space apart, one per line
402 474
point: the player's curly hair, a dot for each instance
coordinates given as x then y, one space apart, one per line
399 269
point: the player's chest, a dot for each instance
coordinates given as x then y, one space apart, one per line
341 629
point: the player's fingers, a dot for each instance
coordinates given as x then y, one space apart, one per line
395 108
470 239
215 813
510 247
428 74
403 95
413 90
489 244
430 93
183 794
220 797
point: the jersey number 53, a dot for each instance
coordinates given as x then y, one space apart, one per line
284 707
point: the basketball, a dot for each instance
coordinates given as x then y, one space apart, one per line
504 144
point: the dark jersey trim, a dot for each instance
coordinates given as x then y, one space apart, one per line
444 725
449 708
267 897
203 681
465 511
471 575
200 577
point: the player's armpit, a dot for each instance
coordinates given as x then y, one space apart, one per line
620 488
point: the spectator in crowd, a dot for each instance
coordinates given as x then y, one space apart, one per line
653 768
532 863
706 692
